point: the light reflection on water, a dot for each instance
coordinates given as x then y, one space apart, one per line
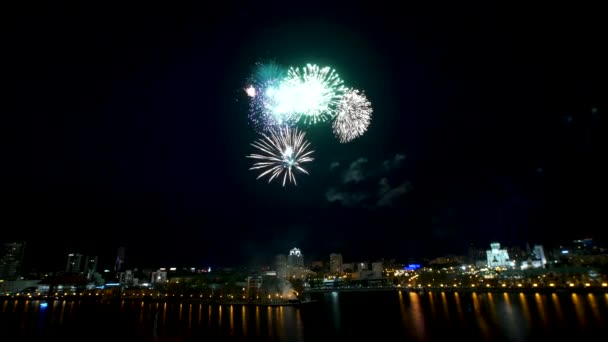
482 316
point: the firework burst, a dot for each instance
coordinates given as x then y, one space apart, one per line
264 83
353 116
280 97
283 151
312 93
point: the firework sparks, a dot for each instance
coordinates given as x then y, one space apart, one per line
312 93
353 116
283 98
250 91
283 151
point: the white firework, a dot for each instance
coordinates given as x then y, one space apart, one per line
311 93
283 151
354 114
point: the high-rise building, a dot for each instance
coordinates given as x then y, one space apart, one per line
74 263
335 263
120 259
280 262
295 258
11 260
90 266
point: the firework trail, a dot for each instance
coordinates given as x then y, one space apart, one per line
283 151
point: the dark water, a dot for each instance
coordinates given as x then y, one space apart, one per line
336 316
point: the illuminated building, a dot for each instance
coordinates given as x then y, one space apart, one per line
159 277
497 257
295 258
335 263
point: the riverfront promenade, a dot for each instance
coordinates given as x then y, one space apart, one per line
463 289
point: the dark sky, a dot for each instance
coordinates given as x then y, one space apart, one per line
128 126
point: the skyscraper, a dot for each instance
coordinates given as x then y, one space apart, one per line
295 258
90 266
120 259
74 263
281 265
11 260
335 263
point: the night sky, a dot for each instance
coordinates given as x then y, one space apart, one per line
128 127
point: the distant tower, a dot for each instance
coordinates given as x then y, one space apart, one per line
335 263
11 260
74 263
90 266
295 258
281 265
120 259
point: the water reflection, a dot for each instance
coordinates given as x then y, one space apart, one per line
473 316
492 306
417 315
594 307
444 301
335 305
579 309
244 320
402 310
541 309
219 319
525 309
209 317
483 326
458 305
298 325
141 314
231 320
280 323
189 317
62 312
432 304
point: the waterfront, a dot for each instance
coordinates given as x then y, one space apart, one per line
410 316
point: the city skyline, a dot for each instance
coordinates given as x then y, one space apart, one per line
88 264
131 129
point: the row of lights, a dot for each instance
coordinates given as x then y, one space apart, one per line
518 285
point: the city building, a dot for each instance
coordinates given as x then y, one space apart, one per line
127 278
120 259
281 265
335 263
536 258
90 266
254 284
377 269
159 276
295 258
11 260
497 257
74 263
